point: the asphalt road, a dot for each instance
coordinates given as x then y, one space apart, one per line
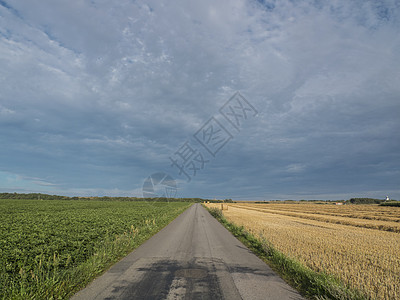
194 257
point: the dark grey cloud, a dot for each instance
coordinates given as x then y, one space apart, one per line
95 96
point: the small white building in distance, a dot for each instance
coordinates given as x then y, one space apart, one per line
387 198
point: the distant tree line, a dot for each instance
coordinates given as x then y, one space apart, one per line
365 201
391 203
32 196
39 196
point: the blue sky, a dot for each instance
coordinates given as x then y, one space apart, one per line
95 96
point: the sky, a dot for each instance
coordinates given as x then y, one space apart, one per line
240 99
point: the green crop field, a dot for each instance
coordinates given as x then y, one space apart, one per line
52 248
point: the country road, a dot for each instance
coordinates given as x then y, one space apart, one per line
194 257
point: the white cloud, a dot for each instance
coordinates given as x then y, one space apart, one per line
4 111
295 168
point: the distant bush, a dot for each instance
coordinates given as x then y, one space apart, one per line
365 201
395 204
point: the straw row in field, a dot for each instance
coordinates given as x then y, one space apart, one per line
366 259
365 223
371 212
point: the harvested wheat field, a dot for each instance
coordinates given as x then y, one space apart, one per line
360 244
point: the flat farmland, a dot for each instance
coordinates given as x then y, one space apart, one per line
360 244
51 248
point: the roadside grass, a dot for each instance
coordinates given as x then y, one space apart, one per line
310 284
44 273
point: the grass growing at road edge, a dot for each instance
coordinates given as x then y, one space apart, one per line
311 284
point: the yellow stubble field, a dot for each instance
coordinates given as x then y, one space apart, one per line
360 244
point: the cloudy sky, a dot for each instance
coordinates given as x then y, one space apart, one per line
96 96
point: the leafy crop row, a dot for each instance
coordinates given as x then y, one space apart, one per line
48 249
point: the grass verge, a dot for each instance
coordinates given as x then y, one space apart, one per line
310 284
